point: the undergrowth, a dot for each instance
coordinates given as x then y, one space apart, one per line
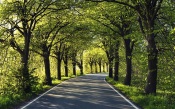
162 100
14 100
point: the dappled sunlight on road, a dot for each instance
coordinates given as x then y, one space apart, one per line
85 92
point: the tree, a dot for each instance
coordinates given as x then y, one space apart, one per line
124 25
148 10
107 18
80 40
116 61
59 50
47 35
109 50
90 62
120 22
65 59
99 61
74 64
22 17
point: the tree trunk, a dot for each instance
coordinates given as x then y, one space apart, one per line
152 54
116 62
99 64
81 67
66 65
104 67
128 56
107 67
81 63
58 65
66 70
152 65
74 63
48 80
91 68
25 70
74 68
110 68
46 54
26 76
96 70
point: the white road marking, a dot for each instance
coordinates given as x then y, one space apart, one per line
65 81
41 96
122 96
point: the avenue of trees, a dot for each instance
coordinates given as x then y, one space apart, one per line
43 40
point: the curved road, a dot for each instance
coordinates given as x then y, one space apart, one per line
85 92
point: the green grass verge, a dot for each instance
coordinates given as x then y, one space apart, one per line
10 101
163 100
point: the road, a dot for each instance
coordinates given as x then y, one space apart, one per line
85 92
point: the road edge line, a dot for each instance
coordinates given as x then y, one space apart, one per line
29 103
122 95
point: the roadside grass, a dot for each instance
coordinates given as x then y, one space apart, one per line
15 100
163 100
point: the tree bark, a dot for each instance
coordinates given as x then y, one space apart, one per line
107 67
152 65
128 56
66 64
100 68
66 70
74 63
116 73
81 67
48 80
81 63
110 68
110 56
104 67
99 64
74 68
46 54
58 65
26 76
25 70
91 68
96 70
152 51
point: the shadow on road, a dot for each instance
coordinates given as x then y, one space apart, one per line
85 92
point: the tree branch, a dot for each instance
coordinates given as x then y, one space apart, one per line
15 46
114 1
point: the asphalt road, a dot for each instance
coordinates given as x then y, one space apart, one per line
85 92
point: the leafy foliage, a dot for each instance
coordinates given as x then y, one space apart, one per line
86 34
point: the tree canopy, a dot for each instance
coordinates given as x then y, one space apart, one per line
45 40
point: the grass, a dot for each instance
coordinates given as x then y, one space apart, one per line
14 100
7 102
163 100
